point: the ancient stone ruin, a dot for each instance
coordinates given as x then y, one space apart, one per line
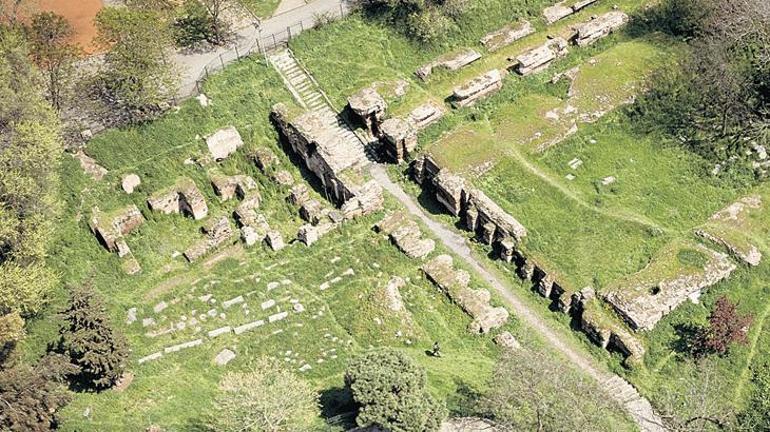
728 227
651 293
399 139
336 162
562 10
184 197
216 233
228 187
454 283
591 31
507 35
369 108
425 115
539 58
452 62
406 235
224 142
265 159
477 88
111 228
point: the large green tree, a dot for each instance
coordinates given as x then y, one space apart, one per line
90 341
53 52
266 398
139 74
30 149
390 390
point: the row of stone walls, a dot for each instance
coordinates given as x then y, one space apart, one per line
494 227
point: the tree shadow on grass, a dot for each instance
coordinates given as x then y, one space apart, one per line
338 408
687 335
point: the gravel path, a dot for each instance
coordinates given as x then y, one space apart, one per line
638 407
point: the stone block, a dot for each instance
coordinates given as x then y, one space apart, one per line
274 239
539 58
399 138
130 182
591 31
224 142
451 62
507 35
477 88
224 357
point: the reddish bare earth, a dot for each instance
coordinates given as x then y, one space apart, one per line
80 13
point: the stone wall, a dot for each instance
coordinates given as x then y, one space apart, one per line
599 27
539 58
184 197
406 235
507 35
452 62
477 88
564 9
110 229
475 302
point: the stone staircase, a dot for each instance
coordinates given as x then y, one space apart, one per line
310 96
634 403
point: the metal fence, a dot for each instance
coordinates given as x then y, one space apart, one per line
261 44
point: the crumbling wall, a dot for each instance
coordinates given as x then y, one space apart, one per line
452 62
228 187
507 35
184 197
477 88
110 229
216 233
369 109
475 302
562 10
539 58
406 235
599 27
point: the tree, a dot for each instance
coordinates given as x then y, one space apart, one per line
266 398
726 326
390 390
532 391
50 35
139 75
30 149
88 338
692 402
216 11
31 396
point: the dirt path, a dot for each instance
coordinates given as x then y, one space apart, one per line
638 407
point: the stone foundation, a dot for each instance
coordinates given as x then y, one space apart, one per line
450 62
507 35
477 88
454 283
538 59
406 235
591 31
399 139
228 187
184 197
217 232
369 109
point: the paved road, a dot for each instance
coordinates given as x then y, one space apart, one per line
639 409
192 65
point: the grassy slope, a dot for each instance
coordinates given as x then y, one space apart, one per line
658 183
175 391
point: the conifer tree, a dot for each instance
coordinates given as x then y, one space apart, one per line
90 341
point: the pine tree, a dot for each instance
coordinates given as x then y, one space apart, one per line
91 342
390 389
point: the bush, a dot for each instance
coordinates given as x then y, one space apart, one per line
91 343
426 21
390 390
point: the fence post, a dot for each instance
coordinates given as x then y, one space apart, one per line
197 87
275 43
288 30
237 56
301 26
342 11
206 69
222 62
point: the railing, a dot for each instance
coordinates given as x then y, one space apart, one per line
261 45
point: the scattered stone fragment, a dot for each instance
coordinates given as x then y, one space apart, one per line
267 304
425 115
392 294
224 357
246 327
233 301
130 182
575 163
160 307
179 347
153 356
274 239
203 100
224 142
216 233
283 178
264 159
146 322
131 316
606 181
507 341
277 317
90 166
220 331
239 185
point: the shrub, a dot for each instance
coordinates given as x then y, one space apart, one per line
390 390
